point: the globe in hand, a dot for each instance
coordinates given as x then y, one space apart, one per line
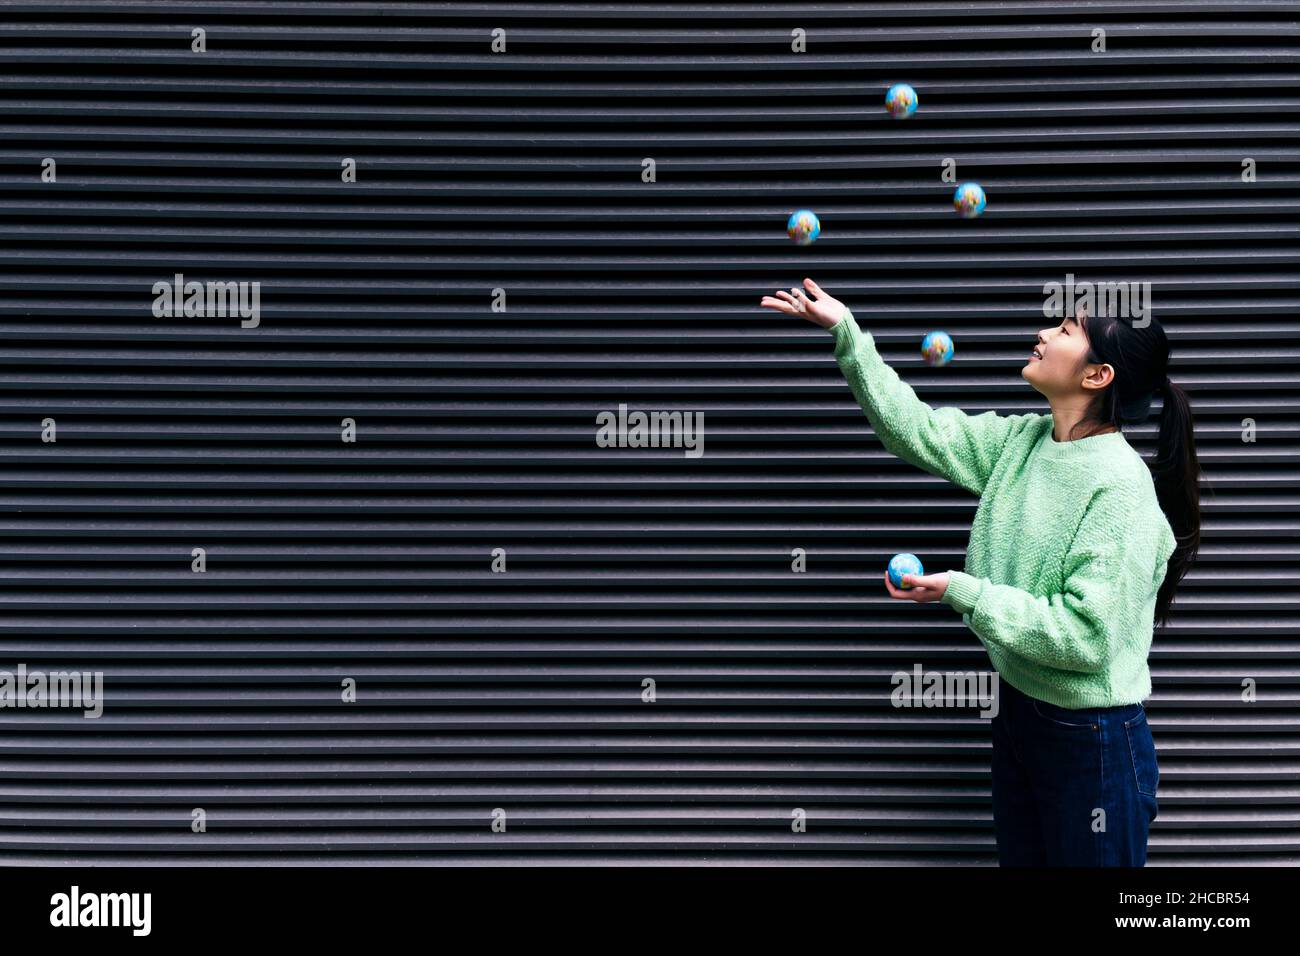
905 563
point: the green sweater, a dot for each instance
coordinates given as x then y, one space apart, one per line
1068 546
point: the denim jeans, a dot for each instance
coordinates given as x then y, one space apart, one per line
1071 787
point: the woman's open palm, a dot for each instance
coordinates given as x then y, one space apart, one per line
813 304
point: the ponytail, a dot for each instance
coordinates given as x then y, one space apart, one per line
1177 477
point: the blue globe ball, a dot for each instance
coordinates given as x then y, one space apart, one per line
937 348
905 563
803 226
969 200
901 101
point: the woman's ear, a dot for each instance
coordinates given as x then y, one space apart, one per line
1099 376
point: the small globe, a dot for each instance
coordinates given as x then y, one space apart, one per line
937 348
969 200
803 226
905 563
901 101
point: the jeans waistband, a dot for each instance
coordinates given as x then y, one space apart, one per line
1005 687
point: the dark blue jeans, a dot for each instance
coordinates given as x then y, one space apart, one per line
1071 787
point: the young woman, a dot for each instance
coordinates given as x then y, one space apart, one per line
1075 552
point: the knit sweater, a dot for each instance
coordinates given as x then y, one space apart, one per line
1068 546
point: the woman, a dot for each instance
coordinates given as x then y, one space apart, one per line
1074 555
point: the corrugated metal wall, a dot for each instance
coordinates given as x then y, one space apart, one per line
522 171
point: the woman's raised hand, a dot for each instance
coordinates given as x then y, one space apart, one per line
814 304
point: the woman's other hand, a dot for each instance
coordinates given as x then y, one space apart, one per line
924 587
813 304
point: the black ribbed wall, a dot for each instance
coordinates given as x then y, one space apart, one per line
522 171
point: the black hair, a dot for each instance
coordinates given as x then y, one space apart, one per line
1139 354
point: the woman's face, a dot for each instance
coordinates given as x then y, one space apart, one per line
1059 366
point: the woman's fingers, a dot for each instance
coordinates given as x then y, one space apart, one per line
797 302
772 303
922 584
898 592
788 303
814 288
917 592
804 305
